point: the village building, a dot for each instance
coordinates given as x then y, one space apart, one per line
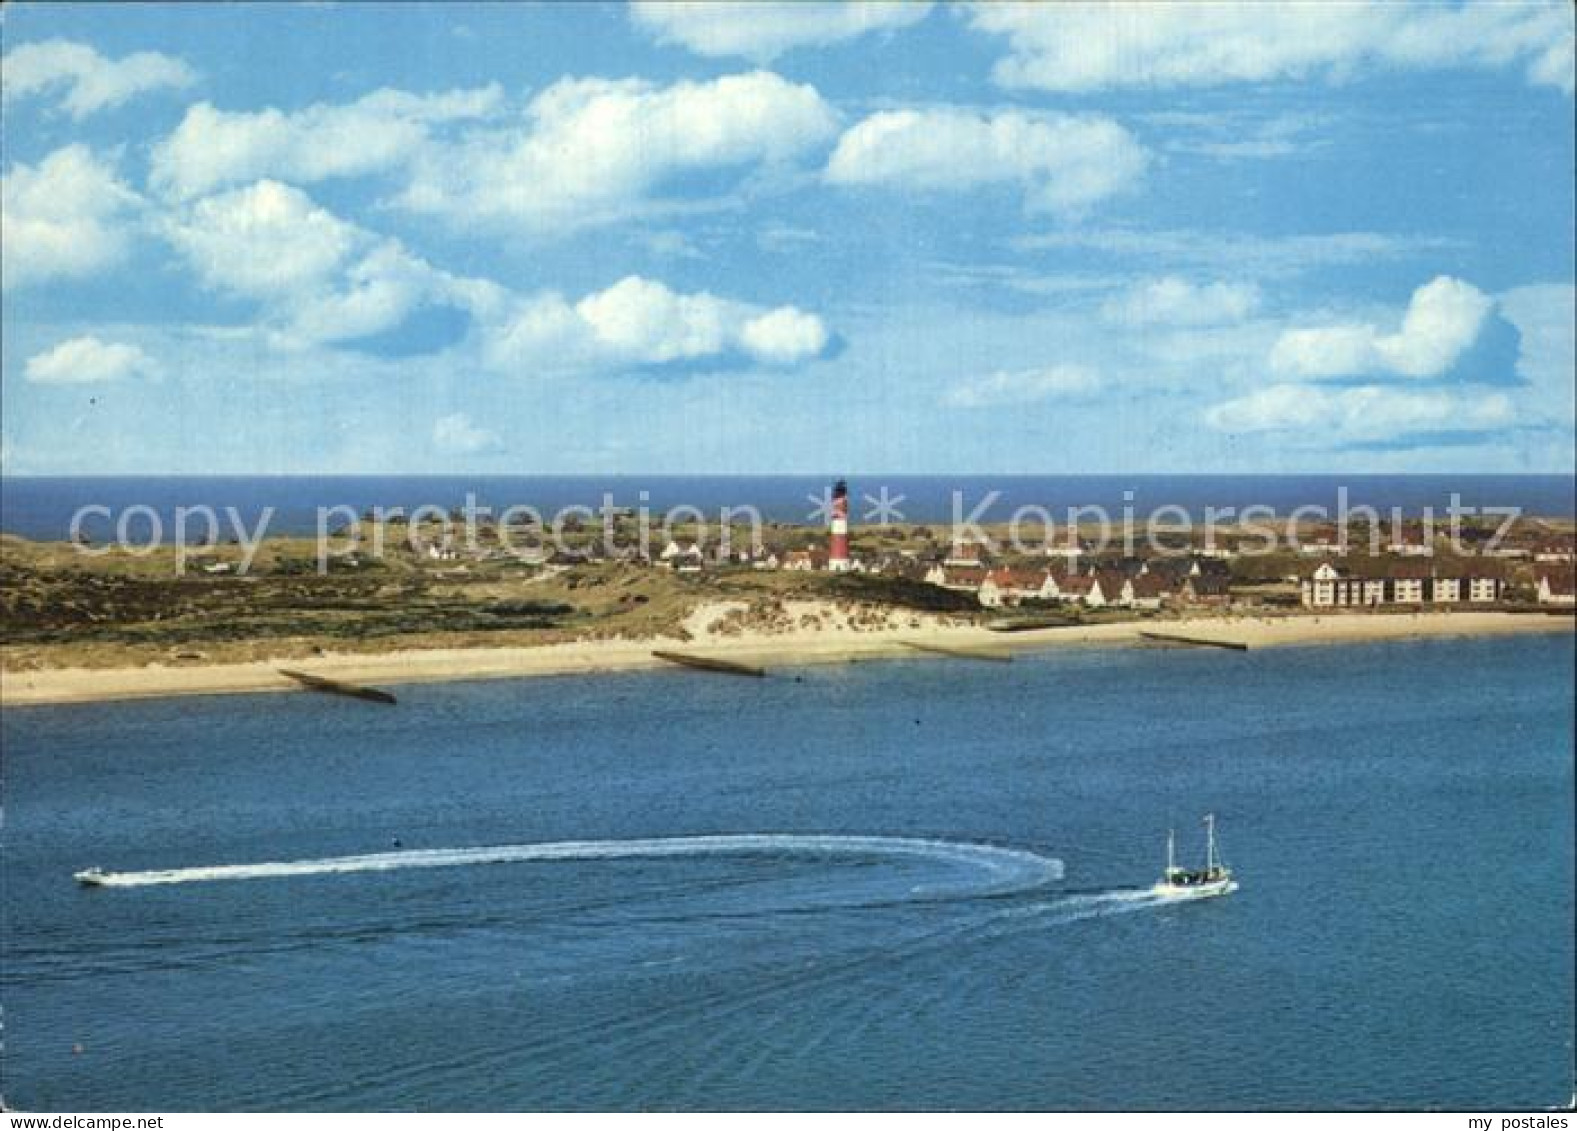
1409 583
1483 590
1205 589
1403 583
1556 587
1004 586
1146 591
805 561
1114 587
1449 590
1554 552
1082 590
968 578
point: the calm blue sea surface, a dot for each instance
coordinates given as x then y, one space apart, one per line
42 508
1401 816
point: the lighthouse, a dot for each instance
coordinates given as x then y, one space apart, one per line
838 543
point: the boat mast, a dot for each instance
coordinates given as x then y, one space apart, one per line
1210 844
1171 850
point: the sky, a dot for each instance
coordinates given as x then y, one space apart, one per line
806 238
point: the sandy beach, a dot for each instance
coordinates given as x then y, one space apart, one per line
820 635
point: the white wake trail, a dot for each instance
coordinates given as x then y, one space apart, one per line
1007 869
1088 905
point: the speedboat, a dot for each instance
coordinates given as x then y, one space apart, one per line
1215 878
91 877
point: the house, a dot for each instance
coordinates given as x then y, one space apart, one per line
1328 587
1449 590
1554 551
1205 589
968 578
1082 590
1051 583
1004 586
1557 588
1482 590
805 561
1203 566
1332 587
1402 583
1114 587
1409 583
1146 591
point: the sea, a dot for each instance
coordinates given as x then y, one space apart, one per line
145 506
887 885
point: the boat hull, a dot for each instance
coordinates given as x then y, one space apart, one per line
1225 886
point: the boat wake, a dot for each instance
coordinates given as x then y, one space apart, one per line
1080 906
1004 870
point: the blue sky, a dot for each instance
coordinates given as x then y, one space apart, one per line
754 239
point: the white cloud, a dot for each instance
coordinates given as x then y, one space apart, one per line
1547 353
593 150
87 360
1024 386
456 433
1442 320
1364 413
90 82
212 148
1064 163
641 322
261 241
318 278
1172 301
761 30
1095 46
784 336
63 218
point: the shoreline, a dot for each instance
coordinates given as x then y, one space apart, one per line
59 686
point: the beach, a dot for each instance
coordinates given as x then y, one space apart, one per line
821 633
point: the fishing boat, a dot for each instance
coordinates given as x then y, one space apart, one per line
1215 878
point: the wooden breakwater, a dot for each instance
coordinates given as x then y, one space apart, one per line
1194 641
711 664
961 653
338 687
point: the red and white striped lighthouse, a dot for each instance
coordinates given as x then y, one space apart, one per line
838 544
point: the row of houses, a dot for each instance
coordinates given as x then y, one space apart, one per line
1141 588
1401 583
